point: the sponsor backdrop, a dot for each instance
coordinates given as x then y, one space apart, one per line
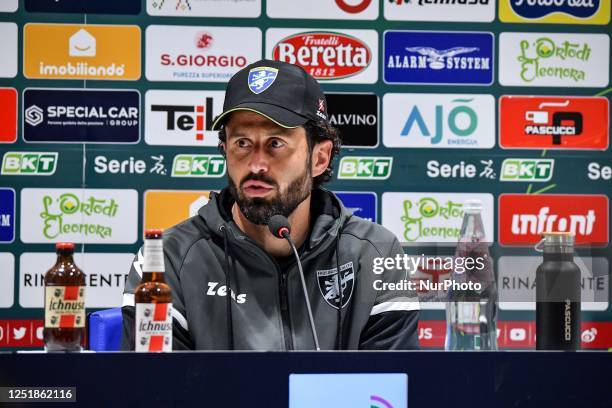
106 109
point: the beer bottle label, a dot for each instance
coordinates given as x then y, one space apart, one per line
153 327
65 306
153 256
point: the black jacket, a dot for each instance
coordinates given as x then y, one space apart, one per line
266 309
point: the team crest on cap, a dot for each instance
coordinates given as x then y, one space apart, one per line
261 78
328 284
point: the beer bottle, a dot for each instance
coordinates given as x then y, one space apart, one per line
153 299
64 302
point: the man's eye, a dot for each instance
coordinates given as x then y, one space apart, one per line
275 143
242 143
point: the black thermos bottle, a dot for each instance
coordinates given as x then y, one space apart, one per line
558 295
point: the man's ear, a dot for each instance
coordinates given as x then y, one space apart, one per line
321 155
221 147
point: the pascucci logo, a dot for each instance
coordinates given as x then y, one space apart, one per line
365 168
203 43
557 124
29 163
437 59
324 55
531 170
34 115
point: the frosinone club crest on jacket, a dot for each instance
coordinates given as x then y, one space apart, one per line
328 284
261 78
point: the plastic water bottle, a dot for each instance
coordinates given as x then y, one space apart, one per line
471 315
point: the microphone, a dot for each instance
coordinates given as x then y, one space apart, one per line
279 227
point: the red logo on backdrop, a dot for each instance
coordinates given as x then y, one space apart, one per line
432 333
516 334
542 122
324 55
8 115
357 8
596 335
21 333
524 217
204 40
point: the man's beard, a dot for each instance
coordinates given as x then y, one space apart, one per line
259 210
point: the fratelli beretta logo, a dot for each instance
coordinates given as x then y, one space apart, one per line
438 57
555 11
431 217
546 59
96 216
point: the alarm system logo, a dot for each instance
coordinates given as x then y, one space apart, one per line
347 56
545 122
73 51
438 57
556 12
7 215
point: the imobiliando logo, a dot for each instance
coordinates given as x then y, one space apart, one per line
523 218
81 51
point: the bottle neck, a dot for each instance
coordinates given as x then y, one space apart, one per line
558 256
472 226
153 277
65 257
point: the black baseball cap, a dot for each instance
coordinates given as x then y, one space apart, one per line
282 92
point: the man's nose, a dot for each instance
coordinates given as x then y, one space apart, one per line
259 161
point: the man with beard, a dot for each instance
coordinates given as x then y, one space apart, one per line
234 284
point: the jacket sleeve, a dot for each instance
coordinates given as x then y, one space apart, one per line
394 317
181 340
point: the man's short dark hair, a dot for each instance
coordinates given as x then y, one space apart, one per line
316 132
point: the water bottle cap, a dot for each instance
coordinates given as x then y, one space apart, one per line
558 238
472 206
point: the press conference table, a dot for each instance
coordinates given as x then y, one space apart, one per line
260 379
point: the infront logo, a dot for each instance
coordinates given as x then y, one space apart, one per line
524 217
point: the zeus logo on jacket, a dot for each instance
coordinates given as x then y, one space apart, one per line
222 291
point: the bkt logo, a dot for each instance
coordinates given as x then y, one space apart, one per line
438 57
198 165
439 120
532 170
29 163
7 215
554 122
182 118
365 168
